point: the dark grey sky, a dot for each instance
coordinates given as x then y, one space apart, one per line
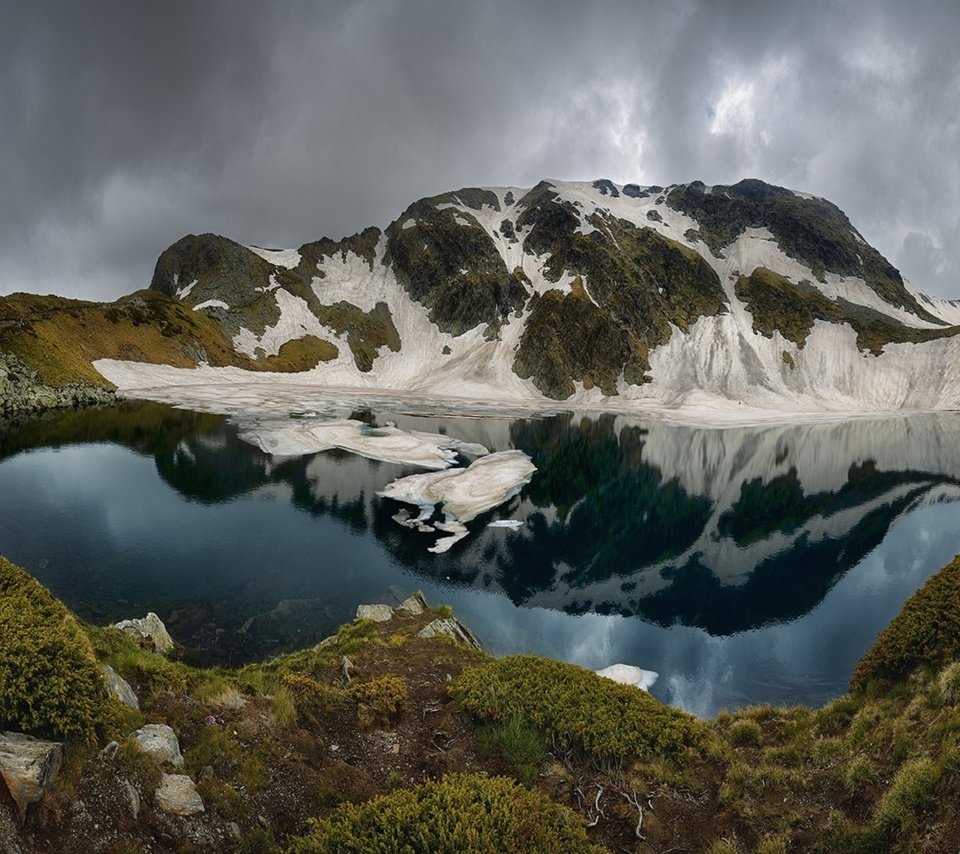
124 125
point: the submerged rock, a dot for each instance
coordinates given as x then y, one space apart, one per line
29 767
150 631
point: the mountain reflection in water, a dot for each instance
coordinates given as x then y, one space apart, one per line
745 565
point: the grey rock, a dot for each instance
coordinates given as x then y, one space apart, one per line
414 604
133 798
109 751
450 627
151 632
29 767
160 743
376 613
178 795
119 687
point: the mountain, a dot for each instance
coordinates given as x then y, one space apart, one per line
595 294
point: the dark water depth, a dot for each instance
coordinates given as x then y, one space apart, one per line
744 565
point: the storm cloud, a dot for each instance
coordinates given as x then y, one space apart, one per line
126 125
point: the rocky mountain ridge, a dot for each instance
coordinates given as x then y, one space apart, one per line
585 292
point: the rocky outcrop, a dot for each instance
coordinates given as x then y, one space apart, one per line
29 767
21 390
150 631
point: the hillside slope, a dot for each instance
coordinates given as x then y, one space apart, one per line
589 293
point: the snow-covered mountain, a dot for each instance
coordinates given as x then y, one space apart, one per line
588 293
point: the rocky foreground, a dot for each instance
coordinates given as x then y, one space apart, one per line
399 733
22 390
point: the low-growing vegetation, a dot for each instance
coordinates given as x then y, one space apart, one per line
580 709
50 682
482 815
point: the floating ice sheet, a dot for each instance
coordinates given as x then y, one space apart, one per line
627 674
387 444
463 493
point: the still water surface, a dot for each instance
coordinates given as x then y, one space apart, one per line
744 565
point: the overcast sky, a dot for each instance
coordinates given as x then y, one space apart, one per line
125 125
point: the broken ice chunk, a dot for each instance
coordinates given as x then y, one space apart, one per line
463 493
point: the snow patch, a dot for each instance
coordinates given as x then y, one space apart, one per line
288 258
183 293
211 303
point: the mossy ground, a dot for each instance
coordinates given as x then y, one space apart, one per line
61 338
280 742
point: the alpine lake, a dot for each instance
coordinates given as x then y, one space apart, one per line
745 565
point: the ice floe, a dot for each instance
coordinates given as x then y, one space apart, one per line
462 494
627 674
388 444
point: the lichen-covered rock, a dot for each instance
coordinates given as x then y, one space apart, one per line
178 795
160 743
150 631
29 767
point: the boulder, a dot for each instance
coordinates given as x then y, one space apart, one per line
119 687
178 795
29 767
160 743
376 613
150 631
450 627
414 604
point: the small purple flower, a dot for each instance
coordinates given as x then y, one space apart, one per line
210 720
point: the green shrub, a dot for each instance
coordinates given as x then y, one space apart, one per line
582 709
522 745
379 701
909 791
744 733
926 631
50 682
461 812
949 684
